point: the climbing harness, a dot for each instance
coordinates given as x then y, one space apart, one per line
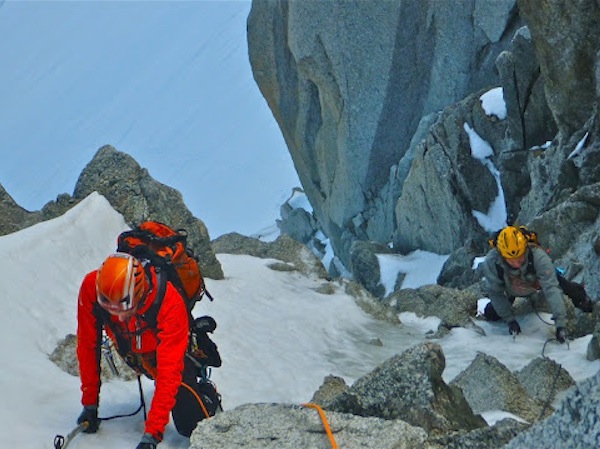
106 347
325 423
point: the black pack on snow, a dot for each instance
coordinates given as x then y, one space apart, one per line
573 290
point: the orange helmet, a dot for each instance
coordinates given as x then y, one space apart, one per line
511 243
121 283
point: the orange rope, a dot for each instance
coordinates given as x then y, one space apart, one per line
198 398
325 423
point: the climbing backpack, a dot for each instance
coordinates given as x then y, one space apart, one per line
167 251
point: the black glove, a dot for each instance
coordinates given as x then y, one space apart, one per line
514 328
147 442
90 415
561 334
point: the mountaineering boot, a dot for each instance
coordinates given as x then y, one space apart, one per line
490 313
586 305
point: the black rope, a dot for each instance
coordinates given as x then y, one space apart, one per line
554 380
538 314
142 405
558 368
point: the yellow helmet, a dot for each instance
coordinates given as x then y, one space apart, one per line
511 243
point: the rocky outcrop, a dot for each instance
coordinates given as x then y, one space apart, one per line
489 385
385 156
12 216
543 378
284 248
349 84
566 40
529 118
402 403
285 426
410 387
454 307
447 183
131 191
574 424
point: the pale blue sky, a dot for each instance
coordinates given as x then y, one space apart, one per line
167 82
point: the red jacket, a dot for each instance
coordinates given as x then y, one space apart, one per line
162 348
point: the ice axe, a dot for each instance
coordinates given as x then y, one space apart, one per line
61 442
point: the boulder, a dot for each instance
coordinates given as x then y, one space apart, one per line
409 387
287 426
454 307
574 424
488 385
284 248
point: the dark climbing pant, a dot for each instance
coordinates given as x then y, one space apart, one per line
490 313
196 400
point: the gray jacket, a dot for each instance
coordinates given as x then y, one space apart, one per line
520 283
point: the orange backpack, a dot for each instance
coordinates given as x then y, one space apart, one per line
166 250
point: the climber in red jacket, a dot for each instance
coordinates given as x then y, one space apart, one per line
116 297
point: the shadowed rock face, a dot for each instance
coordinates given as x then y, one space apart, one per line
566 40
12 216
374 100
349 82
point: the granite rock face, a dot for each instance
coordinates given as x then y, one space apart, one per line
379 103
349 84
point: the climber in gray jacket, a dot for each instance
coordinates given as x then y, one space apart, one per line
515 268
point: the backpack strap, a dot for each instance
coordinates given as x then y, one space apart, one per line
530 267
500 272
151 315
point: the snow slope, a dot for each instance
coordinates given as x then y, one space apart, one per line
278 337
